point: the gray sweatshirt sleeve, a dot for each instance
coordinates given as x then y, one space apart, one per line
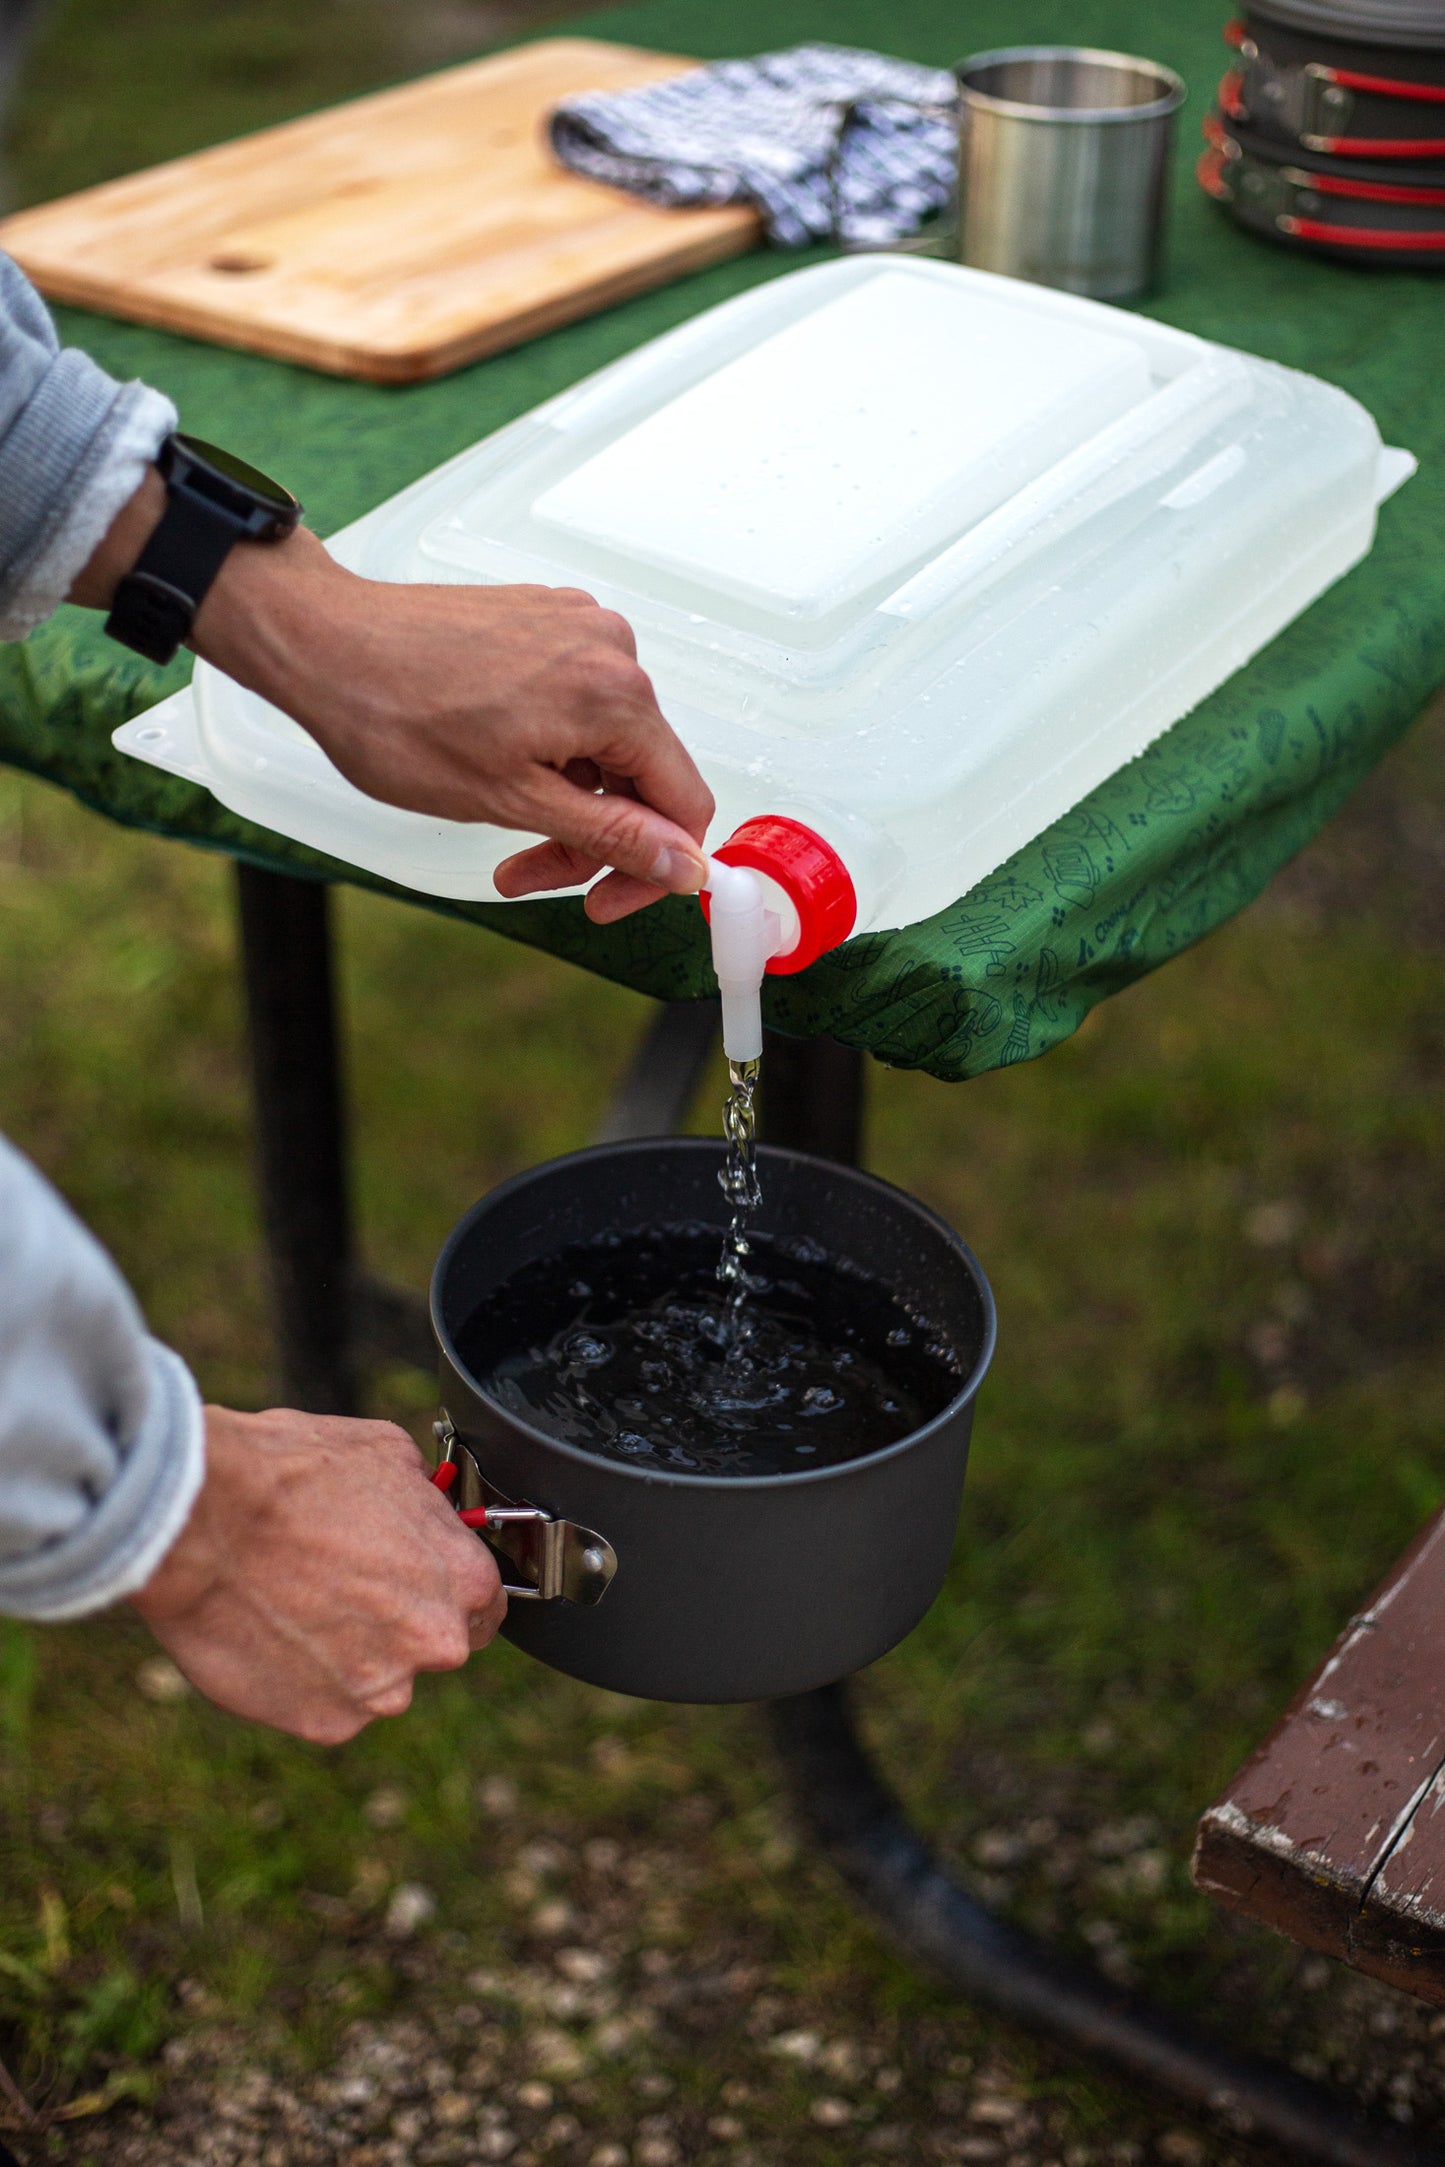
101 1437
74 445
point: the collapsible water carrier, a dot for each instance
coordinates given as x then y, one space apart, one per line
916 556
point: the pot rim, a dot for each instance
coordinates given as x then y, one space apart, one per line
728 1484
1171 94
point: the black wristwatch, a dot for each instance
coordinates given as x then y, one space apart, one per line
213 500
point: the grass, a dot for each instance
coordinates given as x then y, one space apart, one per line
201 71
1213 1223
242 66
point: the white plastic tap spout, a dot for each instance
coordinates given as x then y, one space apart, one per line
745 933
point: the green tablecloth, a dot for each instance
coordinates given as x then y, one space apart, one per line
1164 851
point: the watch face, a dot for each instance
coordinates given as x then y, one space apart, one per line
232 469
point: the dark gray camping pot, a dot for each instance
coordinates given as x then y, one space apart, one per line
703 1587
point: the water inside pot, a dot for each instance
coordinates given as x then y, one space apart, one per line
630 1346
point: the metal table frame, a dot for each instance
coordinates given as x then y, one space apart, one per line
333 1319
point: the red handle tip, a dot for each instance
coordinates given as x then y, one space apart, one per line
474 1516
445 1475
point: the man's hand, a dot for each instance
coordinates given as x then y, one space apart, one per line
522 706
319 1571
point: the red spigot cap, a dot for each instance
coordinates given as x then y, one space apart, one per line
810 873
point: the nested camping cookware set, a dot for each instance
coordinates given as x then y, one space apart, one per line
1328 132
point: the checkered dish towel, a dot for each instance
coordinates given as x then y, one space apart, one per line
827 142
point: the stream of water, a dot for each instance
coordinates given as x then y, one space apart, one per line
738 1180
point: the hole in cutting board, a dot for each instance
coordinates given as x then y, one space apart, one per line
240 260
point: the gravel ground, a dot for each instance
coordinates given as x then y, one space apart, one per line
581 2047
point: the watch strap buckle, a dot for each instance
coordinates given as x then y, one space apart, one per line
149 614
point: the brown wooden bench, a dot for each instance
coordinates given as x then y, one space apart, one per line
1333 1832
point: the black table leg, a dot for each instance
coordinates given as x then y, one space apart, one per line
812 1100
662 1077
810 1097
300 1133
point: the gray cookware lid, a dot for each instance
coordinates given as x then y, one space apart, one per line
1420 23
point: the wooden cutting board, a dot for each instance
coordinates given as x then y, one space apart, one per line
393 238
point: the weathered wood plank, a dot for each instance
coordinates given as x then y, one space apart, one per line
1333 1832
1400 1932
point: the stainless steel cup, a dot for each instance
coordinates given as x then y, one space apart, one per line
1063 166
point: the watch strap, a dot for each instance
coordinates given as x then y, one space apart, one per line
155 604
213 500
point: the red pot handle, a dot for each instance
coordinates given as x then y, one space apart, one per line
1387 86
1377 146
1315 229
1331 184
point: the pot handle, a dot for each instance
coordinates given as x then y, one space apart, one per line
559 1560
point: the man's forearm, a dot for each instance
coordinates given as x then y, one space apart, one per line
524 707
520 706
95 584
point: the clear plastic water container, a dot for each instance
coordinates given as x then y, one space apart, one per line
915 555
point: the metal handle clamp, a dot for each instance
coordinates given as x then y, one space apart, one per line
559 1560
